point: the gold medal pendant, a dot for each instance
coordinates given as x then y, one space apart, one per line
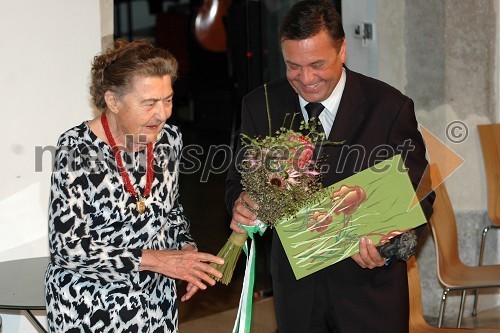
141 206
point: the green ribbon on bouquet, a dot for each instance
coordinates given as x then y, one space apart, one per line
244 316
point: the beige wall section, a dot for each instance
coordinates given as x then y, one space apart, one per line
46 48
497 59
445 55
391 43
470 56
107 23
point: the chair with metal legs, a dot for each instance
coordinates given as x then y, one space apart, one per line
417 321
489 136
452 273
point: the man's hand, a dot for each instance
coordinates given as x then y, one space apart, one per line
368 256
244 210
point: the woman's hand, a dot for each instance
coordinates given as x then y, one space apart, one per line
191 289
187 264
242 212
368 256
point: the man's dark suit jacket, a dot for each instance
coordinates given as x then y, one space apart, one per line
373 118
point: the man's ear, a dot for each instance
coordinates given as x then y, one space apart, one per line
111 101
343 52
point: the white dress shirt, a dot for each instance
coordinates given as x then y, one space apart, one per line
331 104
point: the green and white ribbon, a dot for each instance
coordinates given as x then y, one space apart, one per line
244 316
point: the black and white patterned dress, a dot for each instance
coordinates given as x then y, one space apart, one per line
96 237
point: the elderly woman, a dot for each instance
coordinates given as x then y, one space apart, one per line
118 235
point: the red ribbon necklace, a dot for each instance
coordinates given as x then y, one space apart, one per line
141 205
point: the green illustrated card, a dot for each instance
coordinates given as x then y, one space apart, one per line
374 203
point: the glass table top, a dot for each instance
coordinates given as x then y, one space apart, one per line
22 284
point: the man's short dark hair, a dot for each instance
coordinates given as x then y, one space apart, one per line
307 18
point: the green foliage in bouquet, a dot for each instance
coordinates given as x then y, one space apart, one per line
280 175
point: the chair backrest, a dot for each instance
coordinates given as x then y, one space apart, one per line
444 229
489 136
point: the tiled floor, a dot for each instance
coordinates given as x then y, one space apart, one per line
263 320
488 318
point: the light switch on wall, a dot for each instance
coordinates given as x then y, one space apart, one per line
364 31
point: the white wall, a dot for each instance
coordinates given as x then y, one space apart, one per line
46 48
361 55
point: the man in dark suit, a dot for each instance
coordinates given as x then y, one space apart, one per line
364 293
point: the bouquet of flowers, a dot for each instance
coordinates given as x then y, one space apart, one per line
280 175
